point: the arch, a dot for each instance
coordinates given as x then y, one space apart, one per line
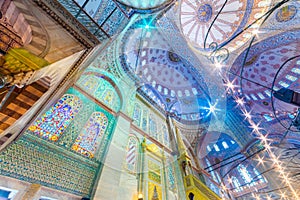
101 87
89 139
131 154
53 123
14 26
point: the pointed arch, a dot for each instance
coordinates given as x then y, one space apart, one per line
54 122
102 88
88 141
131 154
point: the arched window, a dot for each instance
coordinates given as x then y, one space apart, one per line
160 134
89 138
54 122
132 154
137 114
145 121
208 148
153 127
216 147
236 184
244 173
225 145
166 135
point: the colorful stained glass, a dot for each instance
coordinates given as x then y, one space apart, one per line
131 156
153 127
89 138
52 124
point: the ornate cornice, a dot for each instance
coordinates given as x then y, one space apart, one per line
68 22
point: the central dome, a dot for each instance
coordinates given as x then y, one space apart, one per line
168 79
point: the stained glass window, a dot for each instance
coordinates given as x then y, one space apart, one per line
216 147
89 138
166 136
236 184
153 127
137 114
160 134
53 123
132 154
244 173
145 121
225 145
208 148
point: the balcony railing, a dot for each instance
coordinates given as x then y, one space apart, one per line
84 18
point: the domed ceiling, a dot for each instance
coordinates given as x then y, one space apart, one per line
271 64
165 77
220 21
145 4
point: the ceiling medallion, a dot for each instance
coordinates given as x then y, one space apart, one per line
204 13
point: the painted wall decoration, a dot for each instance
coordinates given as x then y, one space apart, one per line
54 122
75 120
29 159
155 180
171 175
154 191
90 137
286 13
265 59
154 173
99 88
